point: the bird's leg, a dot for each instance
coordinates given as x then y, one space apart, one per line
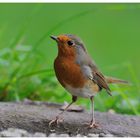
93 124
56 120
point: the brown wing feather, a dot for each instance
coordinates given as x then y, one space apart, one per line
100 80
98 77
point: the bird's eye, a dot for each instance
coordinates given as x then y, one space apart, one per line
70 43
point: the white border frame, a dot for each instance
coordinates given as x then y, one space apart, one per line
69 1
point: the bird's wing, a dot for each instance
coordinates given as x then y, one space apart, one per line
99 78
91 71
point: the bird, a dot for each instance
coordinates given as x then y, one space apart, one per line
78 73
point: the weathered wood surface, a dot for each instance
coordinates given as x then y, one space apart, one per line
35 118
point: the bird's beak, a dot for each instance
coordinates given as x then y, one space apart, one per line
54 37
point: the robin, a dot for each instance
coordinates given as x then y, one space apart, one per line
78 73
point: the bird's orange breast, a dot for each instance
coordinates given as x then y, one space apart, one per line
68 72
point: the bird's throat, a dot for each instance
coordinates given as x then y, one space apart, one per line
65 52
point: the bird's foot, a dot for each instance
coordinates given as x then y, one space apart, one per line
93 124
55 121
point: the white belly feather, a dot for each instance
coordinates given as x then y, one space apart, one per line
86 92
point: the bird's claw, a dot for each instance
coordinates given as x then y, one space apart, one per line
56 121
92 124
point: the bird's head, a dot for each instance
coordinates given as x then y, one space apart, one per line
69 45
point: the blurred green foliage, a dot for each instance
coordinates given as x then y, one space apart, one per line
110 31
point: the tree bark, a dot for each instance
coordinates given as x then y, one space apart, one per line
35 118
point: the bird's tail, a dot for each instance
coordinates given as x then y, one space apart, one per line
111 80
